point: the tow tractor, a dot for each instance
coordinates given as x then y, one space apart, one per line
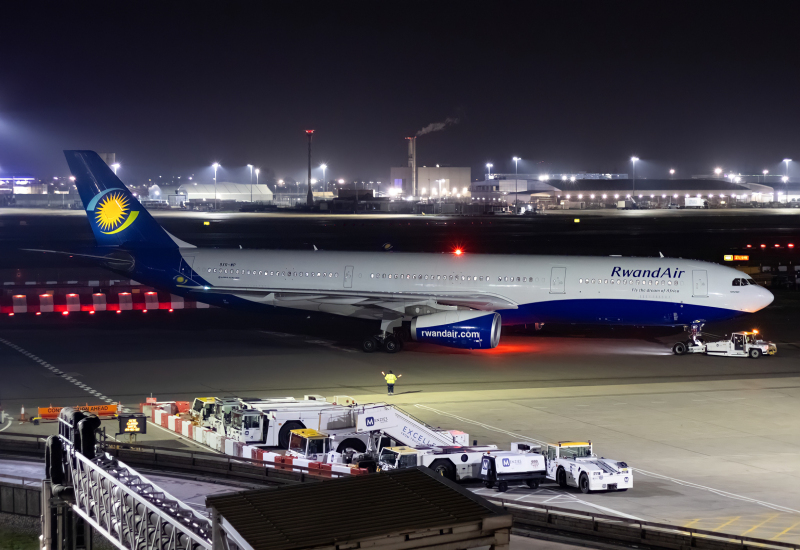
740 344
573 464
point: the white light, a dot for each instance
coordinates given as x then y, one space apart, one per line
672 172
280 182
341 181
616 196
580 196
72 178
313 180
516 159
640 196
591 196
215 165
699 196
718 171
567 196
687 195
323 166
675 196
572 179
634 159
464 191
710 196
628 196
424 190
489 165
563 178
604 196
784 179
258 171
766 172
249 165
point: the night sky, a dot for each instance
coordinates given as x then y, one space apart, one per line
565 85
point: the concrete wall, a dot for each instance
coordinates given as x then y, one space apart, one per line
455 179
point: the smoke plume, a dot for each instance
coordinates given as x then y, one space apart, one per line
436 126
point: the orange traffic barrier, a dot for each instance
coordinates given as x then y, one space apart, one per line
99 410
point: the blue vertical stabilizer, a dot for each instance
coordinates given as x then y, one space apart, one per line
115 215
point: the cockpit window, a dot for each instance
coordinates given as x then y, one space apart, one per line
737 282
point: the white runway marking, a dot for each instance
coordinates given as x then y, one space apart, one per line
547 496
7 425
718 492
63 375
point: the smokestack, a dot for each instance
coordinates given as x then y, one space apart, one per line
310 196
412 163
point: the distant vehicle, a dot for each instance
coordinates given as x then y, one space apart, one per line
626 205
695 202
456 300
740 344
673 206
516 465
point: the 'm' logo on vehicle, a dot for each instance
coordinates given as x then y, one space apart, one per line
506 462
370 421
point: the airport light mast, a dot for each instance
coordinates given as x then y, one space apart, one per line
250 166
215 166
516 182
633 161
310 195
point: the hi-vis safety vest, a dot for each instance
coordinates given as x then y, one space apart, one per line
391 378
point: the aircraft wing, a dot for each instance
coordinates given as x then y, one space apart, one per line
484 301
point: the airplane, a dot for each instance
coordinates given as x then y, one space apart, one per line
455 299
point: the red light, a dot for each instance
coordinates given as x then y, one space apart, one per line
65 313
749 246
777 246
790 245
118 312
763 246
144 311
171 310
10 314
38 313
71 294
91 313
459 252
150 293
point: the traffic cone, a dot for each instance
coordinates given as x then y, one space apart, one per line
22 414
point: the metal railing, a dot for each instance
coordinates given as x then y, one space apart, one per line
129 510
551 513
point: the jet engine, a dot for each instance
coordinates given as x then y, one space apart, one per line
463 329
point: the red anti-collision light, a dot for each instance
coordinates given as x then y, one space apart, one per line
10 314
763 246
171 310
790 245
458 252
65 313
118 311
91 312
749 246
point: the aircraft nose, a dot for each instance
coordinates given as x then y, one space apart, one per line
764 298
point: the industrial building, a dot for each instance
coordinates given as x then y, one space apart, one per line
428 181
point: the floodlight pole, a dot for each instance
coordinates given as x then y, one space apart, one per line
310 195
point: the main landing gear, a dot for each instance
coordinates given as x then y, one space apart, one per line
386 339
389 343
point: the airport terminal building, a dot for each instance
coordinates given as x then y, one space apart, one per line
607 190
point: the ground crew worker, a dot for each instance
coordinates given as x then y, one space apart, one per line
390 380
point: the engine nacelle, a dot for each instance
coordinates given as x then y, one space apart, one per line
463 329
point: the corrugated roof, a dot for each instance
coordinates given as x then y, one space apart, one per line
349 509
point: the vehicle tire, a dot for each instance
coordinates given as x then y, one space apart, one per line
755 353
502 486
284 434
444 468
679 348
532 483
621 490
391 344
369 345
488 484
561 478
351 443
583 483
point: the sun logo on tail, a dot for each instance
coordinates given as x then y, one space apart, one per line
114 213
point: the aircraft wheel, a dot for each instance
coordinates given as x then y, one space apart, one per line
391 344
369 345
755 353
679 348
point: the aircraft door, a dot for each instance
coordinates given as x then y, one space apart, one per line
700 282
557 277
348 276
186 266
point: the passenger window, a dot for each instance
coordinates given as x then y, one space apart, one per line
605 281
618 281
336 274
330 274
209 270
517 279
592 281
